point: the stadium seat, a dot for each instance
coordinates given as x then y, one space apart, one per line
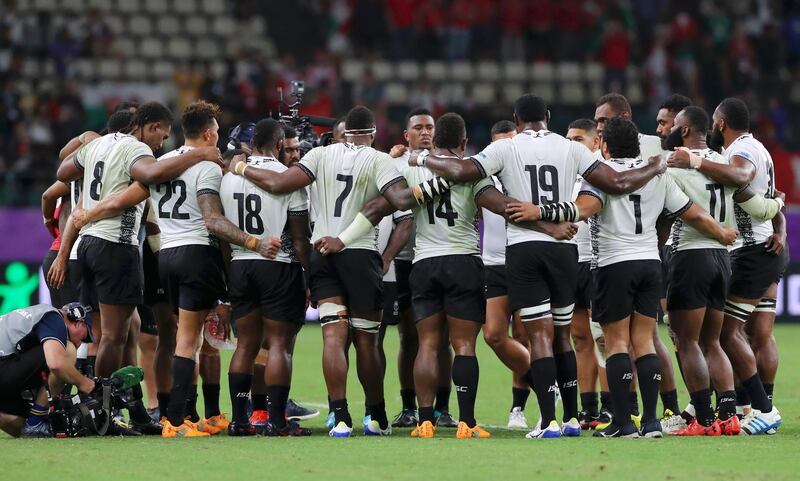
140 26
515 71
45 5
135 69
85 69
352 70
254 26
115 24
483 93
409 71
632 74
461 71
31 68
510 92
214 7
488 71
49 68
196 25
542 72
572 94
127 7
151 48
435 70
207 48
224 26
179 48
382 70
568 72
163 70
102 5
185 7
453 92
24 6
125 47
544 90
73 5
396 93
218 69
593 72
634 93
596 89
168 25
156 6
109 69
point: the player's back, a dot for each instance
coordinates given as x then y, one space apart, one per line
257 212
177 209
624 228
538 167
346 176
752 231
714 198
106 163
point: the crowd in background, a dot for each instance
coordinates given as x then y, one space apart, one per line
706 49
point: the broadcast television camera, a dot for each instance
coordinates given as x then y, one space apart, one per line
303 124
77 415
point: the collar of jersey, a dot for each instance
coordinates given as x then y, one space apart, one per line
536 133
626 161
353 146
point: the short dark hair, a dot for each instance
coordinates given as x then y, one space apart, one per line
618 102
450 131
736 113
268 133
675 103
622 138
530 108
148 113
127 105
503 127
417 111
119 121
197 117
289 132
584 124
359 118
697 118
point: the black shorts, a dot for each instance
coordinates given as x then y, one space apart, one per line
275 289
453 285
19 373
402 272
624 288
110 271
154 291
193 276
540 272
355 274
754 270
698 278
391 306
68 292
666 256
583 291
149 321
75 280
495 284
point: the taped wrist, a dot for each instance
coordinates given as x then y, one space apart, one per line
560 212
761 208
695 161
252 243
430 189
357 229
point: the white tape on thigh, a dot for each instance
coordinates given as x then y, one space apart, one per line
83 351
738 310
533 313
597 335
562 316
365 325
330 312
767 304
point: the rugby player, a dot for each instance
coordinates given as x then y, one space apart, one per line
628 275
542 166
758 258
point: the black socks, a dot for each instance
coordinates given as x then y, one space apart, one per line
648 369
211 399
589 403
567 375
409 397
378 413
670 401
465 378
278 397
542 377
442 403
620 375
340 412
239 386
758 396
519 397
704 413
182 373
726 404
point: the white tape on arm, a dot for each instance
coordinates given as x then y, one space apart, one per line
357 229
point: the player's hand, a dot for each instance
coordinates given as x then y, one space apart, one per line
523 211
269 247
209 153
329 245
398 150
779 195
679 158
57 273
412 160
776 243
728 236
223 312
87 385
560 230
79 218
387 263
231 163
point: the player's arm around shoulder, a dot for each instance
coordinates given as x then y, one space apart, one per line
146 169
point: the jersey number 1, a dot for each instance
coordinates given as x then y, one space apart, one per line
712 202
637 210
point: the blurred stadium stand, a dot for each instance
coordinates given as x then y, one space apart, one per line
64 64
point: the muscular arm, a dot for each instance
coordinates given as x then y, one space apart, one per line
149 171
55 355
585 206
290 180
397 239
758 207
114 205
616 182
68 170
739 172
299 230
457 170
703 222
495 201
217 223
777 241
49 200
76 142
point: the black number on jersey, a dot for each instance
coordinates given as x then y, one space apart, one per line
712 203
443 211
546 179
348 186
76 192
97 181
250 213
637 210
172 188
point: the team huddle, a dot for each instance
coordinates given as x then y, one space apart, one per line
586 238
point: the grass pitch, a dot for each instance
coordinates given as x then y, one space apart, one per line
506 456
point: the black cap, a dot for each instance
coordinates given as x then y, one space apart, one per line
78 312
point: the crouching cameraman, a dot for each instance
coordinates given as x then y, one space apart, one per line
34 341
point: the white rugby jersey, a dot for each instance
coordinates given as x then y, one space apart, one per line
753 231
649 145
494 235
582 237
407 252
446 226
74 193
257 212
106 164
716 199
624 228
180 218
538 167
346 176
384 232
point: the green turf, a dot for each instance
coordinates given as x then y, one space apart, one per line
506 456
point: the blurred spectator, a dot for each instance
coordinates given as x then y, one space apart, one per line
401 14
615 55
460 18
512 28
